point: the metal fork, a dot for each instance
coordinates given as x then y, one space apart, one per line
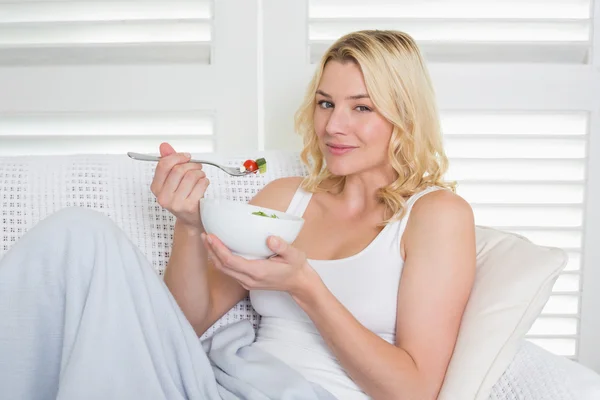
229 170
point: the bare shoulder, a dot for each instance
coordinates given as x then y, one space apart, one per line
278 193
440 216
440 206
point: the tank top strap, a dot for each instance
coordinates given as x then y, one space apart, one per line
299 202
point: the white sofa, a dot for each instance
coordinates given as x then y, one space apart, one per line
32 188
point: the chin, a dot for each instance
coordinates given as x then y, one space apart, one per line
344 164
341 168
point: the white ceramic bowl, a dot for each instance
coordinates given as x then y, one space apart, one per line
244 233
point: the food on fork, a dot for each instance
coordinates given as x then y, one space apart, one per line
257 166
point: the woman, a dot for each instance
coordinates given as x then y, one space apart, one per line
367 302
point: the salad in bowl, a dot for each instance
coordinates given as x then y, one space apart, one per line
244 228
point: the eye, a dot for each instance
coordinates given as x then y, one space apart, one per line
363 108
325 104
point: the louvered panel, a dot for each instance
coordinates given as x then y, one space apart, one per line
72 32
492 31
524 172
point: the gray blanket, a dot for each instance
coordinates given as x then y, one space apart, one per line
84 316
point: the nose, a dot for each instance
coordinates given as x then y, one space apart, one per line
338 122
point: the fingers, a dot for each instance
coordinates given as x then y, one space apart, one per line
184 184
198 190
181 174
226 258
166 149
164 168
285 251
192 181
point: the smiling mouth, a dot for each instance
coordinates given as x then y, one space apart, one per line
339 149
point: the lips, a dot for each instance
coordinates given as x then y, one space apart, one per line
339 149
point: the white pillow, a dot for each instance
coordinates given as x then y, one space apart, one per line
514 280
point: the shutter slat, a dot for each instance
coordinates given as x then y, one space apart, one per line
103 32
442 30
567 305
514 147
522 193
489 52
566 283
560 346
529 216
558 326
515 170
574 263
514 123
73 11
104 132
106 123
106 53
60 145
562 238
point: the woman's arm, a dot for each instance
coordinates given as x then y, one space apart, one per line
203 292
436 282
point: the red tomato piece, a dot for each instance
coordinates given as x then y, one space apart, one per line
251 165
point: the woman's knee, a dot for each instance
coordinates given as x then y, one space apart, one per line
77 218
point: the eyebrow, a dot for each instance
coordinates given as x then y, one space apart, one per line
354 97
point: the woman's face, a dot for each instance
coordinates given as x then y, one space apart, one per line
353 137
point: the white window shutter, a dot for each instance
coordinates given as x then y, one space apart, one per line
488 153
465 30
116 76
105 31
513 83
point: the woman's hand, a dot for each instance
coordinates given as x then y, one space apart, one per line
179 185
288 271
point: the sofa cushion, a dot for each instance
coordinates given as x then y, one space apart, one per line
513 282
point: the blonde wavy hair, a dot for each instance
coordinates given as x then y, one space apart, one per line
399 85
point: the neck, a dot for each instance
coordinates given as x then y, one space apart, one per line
359 192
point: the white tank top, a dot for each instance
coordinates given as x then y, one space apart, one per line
365 283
